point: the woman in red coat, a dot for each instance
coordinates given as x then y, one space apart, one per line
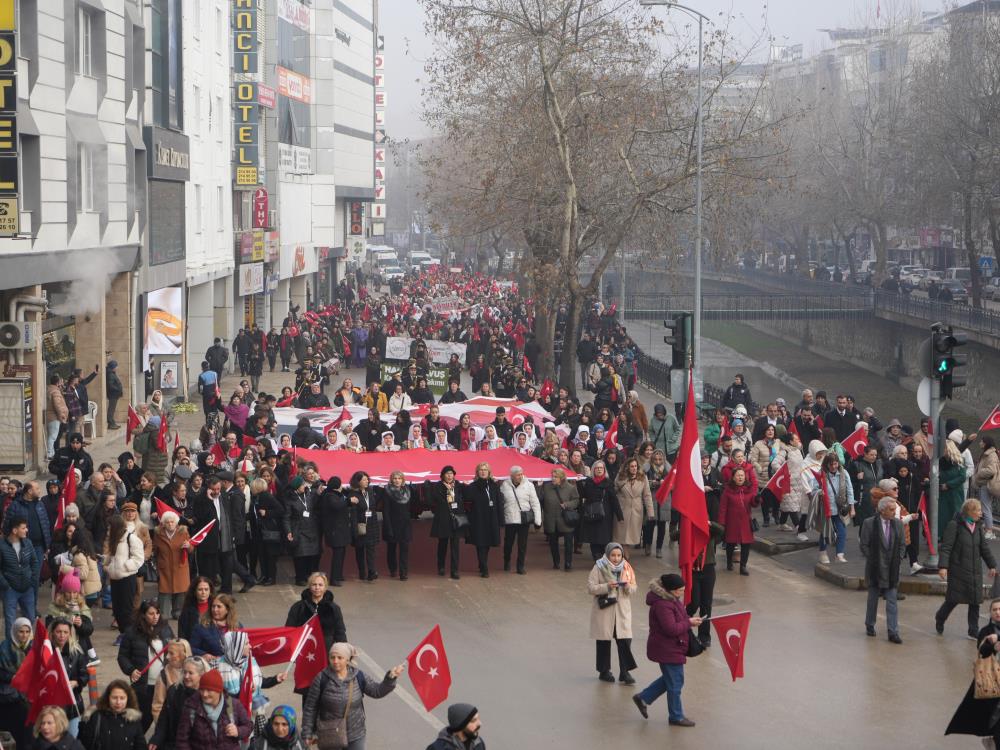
734 513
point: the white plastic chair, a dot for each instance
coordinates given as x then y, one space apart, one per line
90 418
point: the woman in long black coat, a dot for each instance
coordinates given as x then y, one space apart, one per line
335 519
980 717
148 634
485 508
267 520
397 524
447 500
364 500
599 507
961 557
302 528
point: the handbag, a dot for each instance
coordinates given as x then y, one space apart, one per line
570 517
332 735
528 518
148 572
362 529
270 535
986 677
459 522
593 511
695 647
605 600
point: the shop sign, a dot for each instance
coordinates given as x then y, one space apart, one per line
294 85
9 183
246 134
257 247
245 36
260 204
266 96
251 279
356 218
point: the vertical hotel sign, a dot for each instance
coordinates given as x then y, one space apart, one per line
9 216
246 124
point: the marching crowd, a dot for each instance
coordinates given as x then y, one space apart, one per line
186 518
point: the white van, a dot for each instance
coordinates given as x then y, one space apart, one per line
958 273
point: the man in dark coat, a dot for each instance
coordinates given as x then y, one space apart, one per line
241 348
217 356
114 391
736 394
843 420
962 547
19 566
72 454
217 553
462 732
882 544
505 430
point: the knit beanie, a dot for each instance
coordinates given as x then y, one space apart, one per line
459 716
211 680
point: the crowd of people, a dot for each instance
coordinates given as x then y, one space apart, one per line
242 485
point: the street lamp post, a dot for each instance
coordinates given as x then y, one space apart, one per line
696 324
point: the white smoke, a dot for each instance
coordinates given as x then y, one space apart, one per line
85 294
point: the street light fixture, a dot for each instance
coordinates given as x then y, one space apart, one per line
696 354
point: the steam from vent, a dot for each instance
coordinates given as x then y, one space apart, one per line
85 294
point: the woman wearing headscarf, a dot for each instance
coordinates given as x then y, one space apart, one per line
416 439
213 719
599 509
441 442
236 659
397 524
632 489
143 647
447 500
485 506
279 732
611 584
388 444
490 439
364 501
13 703
337 695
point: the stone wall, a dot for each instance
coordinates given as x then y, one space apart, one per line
890 349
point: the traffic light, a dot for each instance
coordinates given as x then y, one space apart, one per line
946 361
679 339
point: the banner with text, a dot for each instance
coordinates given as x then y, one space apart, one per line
399 347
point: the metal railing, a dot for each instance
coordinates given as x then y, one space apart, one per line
961 316
726 306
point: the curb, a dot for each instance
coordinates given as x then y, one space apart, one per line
908 584
771 548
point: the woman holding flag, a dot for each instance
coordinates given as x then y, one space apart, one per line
142 655
170 542
236 659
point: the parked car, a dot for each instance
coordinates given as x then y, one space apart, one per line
991 290
959 295
392 272
925 282
912 278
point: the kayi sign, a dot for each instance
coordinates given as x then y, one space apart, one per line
9 216
246 113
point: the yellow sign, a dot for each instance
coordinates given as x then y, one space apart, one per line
257 249
246 176
8 217
7 15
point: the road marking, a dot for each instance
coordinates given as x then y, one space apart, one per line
404 695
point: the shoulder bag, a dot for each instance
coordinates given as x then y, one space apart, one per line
332 735
695 647
986 677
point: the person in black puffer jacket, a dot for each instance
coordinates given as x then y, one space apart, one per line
115 723
316 599
61 633
52 732
140 643
335 520
165 733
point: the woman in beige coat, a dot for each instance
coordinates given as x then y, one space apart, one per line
611 584
632 489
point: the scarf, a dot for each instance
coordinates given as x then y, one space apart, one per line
214 713
400 495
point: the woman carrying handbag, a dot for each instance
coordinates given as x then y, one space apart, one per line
978 715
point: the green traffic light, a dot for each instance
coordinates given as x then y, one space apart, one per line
943 366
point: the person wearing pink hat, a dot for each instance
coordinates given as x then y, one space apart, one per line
68 603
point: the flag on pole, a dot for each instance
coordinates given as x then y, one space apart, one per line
293 470
344 416
131 423
855 443
33 667
611 438
308 657
663 491
780 484
246 688
177 440
161 435
992 422
731 631
198 538
52 689
273 645
689 494
818 476
67 495
429 670
162 507
925 520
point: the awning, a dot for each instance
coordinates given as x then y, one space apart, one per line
25 120
134 137
85 129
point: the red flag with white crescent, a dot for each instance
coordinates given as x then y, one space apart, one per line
818 476
611 438
925 520
53 689
198 538
429 671
663 491
855 443
689 494
67 495
246 688
345 416
780 484
273 645
131 423
992 422
33 667
161 435
309 656
731 631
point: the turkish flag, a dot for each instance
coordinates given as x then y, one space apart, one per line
732 631
177 440
67 495
689 494
285 402
345 416
293 470
429 670
131 423
780 483
821 481
161 435
273 645
198 538
52 689
924 519
246 688
855 443
663 491
548 387
308 655
992 422
32 669
611 438
162 507
793 429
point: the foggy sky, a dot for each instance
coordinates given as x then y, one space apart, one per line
786 21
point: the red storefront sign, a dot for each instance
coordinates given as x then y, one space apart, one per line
260 204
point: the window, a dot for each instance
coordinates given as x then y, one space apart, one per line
196 95
85 27
85 177
221 205
220 31
218 121
198 216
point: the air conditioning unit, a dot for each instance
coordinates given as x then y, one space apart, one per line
22 335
